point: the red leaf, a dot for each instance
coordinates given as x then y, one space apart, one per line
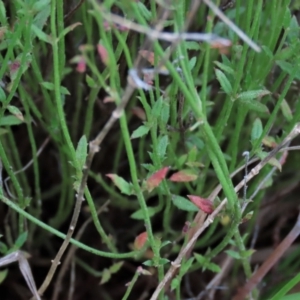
140 240
154 180
103 54
183 176
81 65
204 204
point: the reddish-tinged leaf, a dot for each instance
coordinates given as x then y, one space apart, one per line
204 204
81 65
14 68
186 227
222 45
269 141
108 99
142 271
122 184
283 158
184 176
140 240
154 180
148 55
108 26
103 54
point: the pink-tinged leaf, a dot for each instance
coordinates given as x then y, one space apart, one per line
186 227
140 240
108 99
275 163
222 45
121 184
81 65
139 112
142 271
283 158
148 55
184 176
103 54
204 204
269 141
14 68
122 28
108 26
154 180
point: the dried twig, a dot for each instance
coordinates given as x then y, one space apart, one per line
40 150
269 263
21 258
231 25
71 253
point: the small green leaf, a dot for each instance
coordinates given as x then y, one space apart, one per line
139 215
41 34
186 266
268 52
68 29
116 267
286 110
21 240
192 63
40 5
157 107
257 130
140 131
287 18
224 82
163 261
192 45
247 253
121 184
162 146
206 264
41 17
16 112
275 163
165 243
148 263
48 85
64 91
213 267
288 67
2 10
224 67
106 275
10 121
175 283
255 106
184 204
81 151
233 254
144 11
3 248
90 81
2 95
3 275
251 95
165 112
